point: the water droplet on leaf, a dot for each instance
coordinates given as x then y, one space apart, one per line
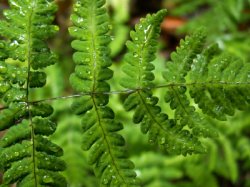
135 54
47 179
105 181
163 140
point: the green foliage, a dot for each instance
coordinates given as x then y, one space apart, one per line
120 31
201 84
230 13
140 77
224 73
207 75
226 21
106 146
225 162
78 172
28 157
192 66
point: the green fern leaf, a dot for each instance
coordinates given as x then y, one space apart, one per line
175 74
224 83
105 145
143 50
219 83
28 157
168 134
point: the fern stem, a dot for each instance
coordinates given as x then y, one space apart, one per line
129 91
29 49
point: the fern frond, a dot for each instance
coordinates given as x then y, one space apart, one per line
142 52
105 145
225 85
28 25
28 157
176 72
219 83
168 134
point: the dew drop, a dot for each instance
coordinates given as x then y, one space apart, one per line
135 54
5 139
80 20
1 45
6 156
87 60
20 168
105 153
14 43
110 27
55 28
47 179
3 68
151 141
105 181
78 4
22 12
191 148
163 140
140 27
115 181
138 173
21 37
4 86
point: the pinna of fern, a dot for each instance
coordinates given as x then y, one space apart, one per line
92 58
191 63
28 157
223 84
169 134
218 83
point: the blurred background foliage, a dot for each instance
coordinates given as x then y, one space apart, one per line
227 161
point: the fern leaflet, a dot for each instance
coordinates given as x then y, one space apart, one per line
167 133
225 85
105 145
28 157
